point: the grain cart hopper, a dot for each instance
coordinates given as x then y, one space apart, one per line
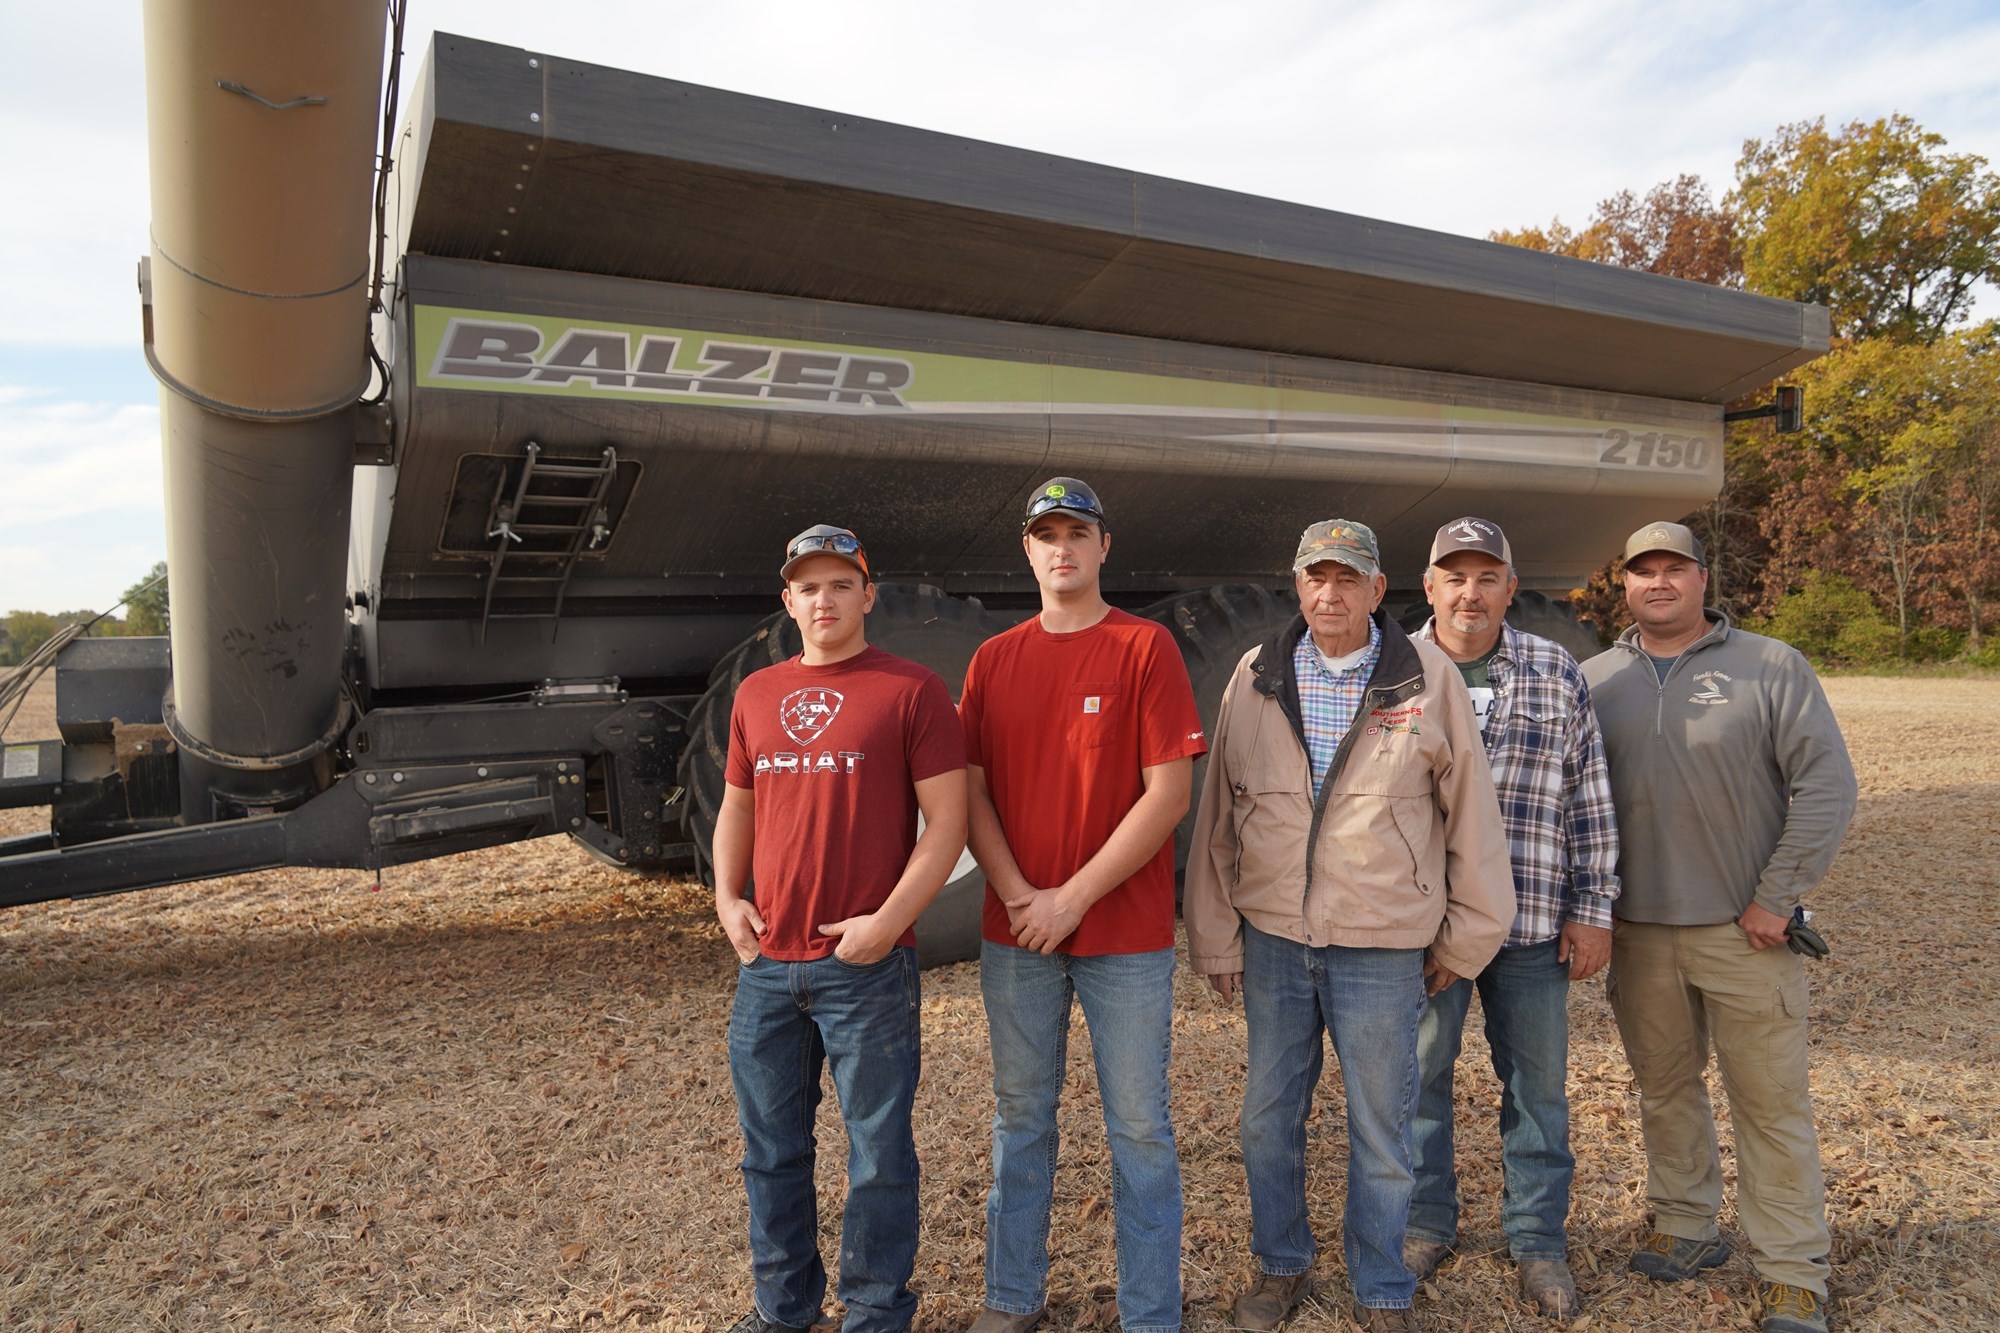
635 333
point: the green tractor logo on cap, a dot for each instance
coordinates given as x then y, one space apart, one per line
1056 492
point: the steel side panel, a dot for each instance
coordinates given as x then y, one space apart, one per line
1248 446
638 176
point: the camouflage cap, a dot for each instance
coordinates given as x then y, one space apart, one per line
1675 537
1342 540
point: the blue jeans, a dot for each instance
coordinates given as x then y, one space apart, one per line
1128 1006
1525 995
788 1021
1368 1001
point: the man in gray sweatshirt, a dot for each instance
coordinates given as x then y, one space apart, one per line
1733 788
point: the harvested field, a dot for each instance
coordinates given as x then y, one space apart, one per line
492 1094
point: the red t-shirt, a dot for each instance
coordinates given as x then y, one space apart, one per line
1063 724
832 754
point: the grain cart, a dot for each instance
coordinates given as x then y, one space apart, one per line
634 333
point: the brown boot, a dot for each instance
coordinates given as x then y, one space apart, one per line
1270 1301
999 1321
1386 1321
1548 1284
1423 1257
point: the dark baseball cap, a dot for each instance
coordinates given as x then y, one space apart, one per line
1472 534
1064 495
825 539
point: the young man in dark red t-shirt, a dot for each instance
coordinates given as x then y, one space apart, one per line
1081 732
832 757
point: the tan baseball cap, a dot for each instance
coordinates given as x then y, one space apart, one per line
1342 540
1472 534
1675 537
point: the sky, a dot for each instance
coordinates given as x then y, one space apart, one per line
1462 116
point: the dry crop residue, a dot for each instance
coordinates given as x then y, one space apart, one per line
493 1095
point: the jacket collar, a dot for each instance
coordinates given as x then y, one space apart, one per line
1718 630
1398 667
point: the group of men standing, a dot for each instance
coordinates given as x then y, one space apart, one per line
1388 823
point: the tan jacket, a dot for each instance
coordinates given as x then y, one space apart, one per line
1405 847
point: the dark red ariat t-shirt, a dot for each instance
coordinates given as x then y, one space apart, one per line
832 754
1063 724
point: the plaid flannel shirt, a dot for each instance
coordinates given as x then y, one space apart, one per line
1554 787
1329 699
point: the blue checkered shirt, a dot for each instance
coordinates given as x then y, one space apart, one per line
1555 790
1329 699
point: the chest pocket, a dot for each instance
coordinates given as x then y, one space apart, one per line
1094 714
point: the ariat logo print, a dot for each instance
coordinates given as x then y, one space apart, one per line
806 714
1710 692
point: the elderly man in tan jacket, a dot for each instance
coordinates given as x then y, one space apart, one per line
1348 858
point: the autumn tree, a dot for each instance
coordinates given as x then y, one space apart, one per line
1676 229
1896 484
1967 550
1876 222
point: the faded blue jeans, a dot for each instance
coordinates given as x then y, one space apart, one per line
1368 1001
1128 1006
789 1020
1524 993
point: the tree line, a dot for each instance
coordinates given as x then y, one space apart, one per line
1871 535
145 604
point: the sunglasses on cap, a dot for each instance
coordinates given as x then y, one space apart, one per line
838 543
1075 497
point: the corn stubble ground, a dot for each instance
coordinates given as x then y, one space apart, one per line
492 1094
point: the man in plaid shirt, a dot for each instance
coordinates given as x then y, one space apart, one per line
1555 802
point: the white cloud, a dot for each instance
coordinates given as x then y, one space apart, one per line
62 459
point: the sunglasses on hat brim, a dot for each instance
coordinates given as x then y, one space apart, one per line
836 543
1075 502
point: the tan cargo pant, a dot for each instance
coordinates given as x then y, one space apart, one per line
1674 988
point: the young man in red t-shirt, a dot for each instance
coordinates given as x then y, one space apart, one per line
1081 732
832 756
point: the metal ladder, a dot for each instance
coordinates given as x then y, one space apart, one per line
557 512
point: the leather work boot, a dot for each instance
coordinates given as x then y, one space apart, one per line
1386 1321
1789 1309
1548 1284
1423 1257
999 1321
1665 1258
1269 1300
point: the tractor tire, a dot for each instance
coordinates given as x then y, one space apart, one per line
1214 627
917 622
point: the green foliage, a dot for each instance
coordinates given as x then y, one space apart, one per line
1875 221
1830 620
146 607
21 632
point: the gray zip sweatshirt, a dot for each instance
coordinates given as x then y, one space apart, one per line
1730 778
